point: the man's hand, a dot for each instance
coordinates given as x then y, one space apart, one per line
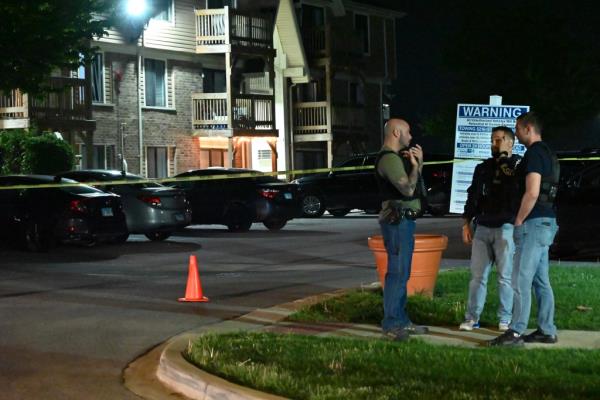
467 233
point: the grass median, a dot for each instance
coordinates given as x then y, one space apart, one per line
316 368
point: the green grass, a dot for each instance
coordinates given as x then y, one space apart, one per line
574 287
303 367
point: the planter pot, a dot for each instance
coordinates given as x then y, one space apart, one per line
425 262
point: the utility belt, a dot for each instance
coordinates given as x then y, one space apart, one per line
398 213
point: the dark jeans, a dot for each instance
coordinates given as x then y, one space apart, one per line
399 244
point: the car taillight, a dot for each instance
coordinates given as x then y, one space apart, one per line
152 200
77 206
440 174
268 193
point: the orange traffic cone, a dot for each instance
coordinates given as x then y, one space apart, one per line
193 290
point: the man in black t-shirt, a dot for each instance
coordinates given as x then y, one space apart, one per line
535 227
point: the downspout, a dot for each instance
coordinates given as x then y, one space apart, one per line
139 98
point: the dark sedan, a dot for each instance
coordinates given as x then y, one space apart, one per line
338 192
578 214
237 202
40 217
151 209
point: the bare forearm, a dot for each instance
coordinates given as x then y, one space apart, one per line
527 204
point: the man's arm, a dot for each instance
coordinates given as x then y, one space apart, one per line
533 181
471 206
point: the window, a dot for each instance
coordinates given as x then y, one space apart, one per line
361 25
312 16
155 77
356 94
157 162
213 81
104 156
165 10
98 78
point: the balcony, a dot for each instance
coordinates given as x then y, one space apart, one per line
311 124
341 45
223 30
247 115
65 107
14 110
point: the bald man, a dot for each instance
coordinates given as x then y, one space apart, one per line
397 170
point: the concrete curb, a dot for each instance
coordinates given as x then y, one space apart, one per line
163 373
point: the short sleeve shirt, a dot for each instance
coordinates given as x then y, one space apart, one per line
537 159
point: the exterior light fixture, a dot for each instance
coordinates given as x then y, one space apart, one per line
135 8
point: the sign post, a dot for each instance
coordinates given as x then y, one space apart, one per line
474 123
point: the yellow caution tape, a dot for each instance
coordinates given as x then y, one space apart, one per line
243 175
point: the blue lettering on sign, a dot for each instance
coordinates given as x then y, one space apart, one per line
511 112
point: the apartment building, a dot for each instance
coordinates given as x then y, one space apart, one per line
263 84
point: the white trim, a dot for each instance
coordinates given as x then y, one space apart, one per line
168 22
166 82
354 14
102 67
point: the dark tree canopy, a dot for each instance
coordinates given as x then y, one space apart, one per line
37 36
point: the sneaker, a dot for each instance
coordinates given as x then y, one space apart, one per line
469 325
538 336
503 326
397 334
413 329
508 338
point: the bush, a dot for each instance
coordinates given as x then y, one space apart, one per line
12 149
24 152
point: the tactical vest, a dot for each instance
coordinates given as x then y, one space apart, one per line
498 194
549 184
389 192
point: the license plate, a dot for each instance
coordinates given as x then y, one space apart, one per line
287 196
107 212
178 217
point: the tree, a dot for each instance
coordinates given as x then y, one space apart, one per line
37 36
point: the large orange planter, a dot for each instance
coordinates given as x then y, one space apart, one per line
425 262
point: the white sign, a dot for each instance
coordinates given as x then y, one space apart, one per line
474 123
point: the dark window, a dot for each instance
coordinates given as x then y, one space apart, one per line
98 78
361 25
312 16
157 162
213 81
155 74
165 10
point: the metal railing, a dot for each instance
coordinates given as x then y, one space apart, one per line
310 117
225 26
210 111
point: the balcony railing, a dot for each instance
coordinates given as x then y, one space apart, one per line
248 112
310 117
226 27
14 110
323 41
348 117
65 101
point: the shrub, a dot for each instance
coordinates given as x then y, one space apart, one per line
24 152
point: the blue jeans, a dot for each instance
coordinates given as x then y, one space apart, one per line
491 245
399 244
532 240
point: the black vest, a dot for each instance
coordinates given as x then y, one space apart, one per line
497 199
388 191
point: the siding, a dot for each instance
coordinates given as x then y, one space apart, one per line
178 36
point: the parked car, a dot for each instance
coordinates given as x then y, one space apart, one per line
40 217
238 202
578 214
151 209
338 192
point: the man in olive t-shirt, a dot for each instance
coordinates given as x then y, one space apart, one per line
397 186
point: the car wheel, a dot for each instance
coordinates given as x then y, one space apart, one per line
158 236
238 219
37 238
339 212
312 206
274 224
